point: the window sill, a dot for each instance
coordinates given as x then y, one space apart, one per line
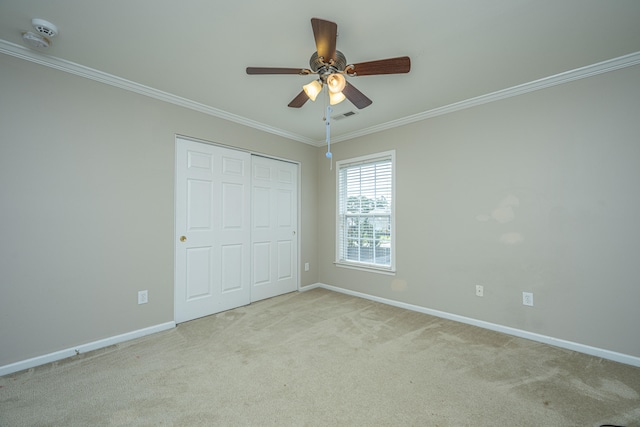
363 267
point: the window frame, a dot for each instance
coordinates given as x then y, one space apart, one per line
359 265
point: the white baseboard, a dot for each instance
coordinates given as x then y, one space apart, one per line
309 287
569 345
95 345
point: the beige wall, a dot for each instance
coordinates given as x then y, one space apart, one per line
533 193
87 193
536 193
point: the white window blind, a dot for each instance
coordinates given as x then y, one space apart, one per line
365 212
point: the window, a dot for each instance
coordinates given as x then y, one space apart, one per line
365 224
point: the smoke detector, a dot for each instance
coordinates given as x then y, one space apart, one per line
36 40
45 28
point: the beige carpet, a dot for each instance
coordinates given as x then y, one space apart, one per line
321 358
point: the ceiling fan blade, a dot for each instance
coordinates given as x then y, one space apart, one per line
299 100
274 70
325 33
398 65
356 97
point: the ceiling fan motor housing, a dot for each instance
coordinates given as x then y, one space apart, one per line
316 63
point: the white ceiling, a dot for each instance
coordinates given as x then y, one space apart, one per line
459 49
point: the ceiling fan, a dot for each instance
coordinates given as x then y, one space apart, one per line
331 67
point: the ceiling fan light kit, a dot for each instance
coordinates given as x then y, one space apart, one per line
336 97
313 89
336 83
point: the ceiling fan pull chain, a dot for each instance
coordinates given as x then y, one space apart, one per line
328 124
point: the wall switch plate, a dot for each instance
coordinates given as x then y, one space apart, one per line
479 290
527 298
306 266
143 297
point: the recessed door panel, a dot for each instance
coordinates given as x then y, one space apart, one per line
232 268
285 176
284 208
261 263
233 209
285 269
261 172
198 273
199 161
199 194
232 166
261 213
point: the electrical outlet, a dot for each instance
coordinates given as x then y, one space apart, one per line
527 298
306 266
143 297
479 290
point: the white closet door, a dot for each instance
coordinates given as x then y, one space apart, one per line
213 232
274 223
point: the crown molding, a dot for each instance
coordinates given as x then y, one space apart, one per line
102 77
557 79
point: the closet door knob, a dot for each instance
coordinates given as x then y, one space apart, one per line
183 238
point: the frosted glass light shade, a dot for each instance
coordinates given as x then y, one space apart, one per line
312 89
336 98
336 82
